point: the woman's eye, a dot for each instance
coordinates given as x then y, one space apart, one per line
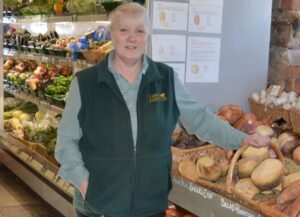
123 30
141 31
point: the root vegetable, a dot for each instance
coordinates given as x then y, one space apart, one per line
289 194
187 169
260 153
246 188
246 166
208 169
287 142
268 174
264 130
296 155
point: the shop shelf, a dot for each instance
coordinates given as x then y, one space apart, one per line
203 202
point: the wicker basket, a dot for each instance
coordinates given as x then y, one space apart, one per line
27 144
193 154
41 150
295 119
258 205
93 56
270 114
271 209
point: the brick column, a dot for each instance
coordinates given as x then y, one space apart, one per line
290 4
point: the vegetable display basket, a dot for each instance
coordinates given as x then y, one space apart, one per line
93 56
295 119
270 114
271 209
193 154
266 204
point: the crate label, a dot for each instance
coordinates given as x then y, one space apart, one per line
194 188
274 90
236 208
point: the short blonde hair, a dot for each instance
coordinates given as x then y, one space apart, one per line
130 9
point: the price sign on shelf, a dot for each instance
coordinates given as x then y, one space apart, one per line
275 90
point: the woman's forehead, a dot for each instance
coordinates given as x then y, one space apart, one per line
136 20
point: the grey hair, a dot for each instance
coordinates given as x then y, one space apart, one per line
130 9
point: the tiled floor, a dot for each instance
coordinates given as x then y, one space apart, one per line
16 200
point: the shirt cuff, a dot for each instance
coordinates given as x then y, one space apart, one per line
78 175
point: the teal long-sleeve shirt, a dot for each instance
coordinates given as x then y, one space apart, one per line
197 119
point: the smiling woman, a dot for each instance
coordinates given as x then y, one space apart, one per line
129 31
114 137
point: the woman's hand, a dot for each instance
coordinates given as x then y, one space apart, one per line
83 188
257 140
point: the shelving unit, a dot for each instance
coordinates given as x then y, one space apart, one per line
54 18
43 105
205 203
38 175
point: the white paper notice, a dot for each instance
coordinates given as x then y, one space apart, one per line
203 59
169 48
170 16
179 68
205 16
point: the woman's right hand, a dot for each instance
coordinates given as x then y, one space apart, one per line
83 188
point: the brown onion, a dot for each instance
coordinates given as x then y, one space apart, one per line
231 112
246 123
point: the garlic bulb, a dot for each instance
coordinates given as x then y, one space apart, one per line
255 96
287 106
292 96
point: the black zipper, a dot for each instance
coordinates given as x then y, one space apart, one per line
135 165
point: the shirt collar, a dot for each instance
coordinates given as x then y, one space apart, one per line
143 68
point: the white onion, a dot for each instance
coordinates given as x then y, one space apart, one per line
255 96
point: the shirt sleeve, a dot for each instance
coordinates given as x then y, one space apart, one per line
199 120
67 151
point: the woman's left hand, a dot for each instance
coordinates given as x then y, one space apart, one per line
257 140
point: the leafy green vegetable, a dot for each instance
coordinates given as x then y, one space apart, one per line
26 107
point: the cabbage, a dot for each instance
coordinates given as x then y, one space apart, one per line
81 7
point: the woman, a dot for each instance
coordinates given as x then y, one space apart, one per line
114 136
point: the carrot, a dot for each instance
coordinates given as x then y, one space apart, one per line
289 194
294 209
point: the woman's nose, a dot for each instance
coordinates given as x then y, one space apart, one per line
132 36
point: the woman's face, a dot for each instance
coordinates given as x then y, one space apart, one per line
130 38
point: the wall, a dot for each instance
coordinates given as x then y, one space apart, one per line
245 41
284 65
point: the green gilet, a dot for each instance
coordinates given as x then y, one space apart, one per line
122 182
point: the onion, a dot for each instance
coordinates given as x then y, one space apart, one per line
223 118
246 123
231 112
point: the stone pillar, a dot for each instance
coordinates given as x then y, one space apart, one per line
285 43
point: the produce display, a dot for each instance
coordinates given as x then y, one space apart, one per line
290 196
35 128
46 80
259 174
94 44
